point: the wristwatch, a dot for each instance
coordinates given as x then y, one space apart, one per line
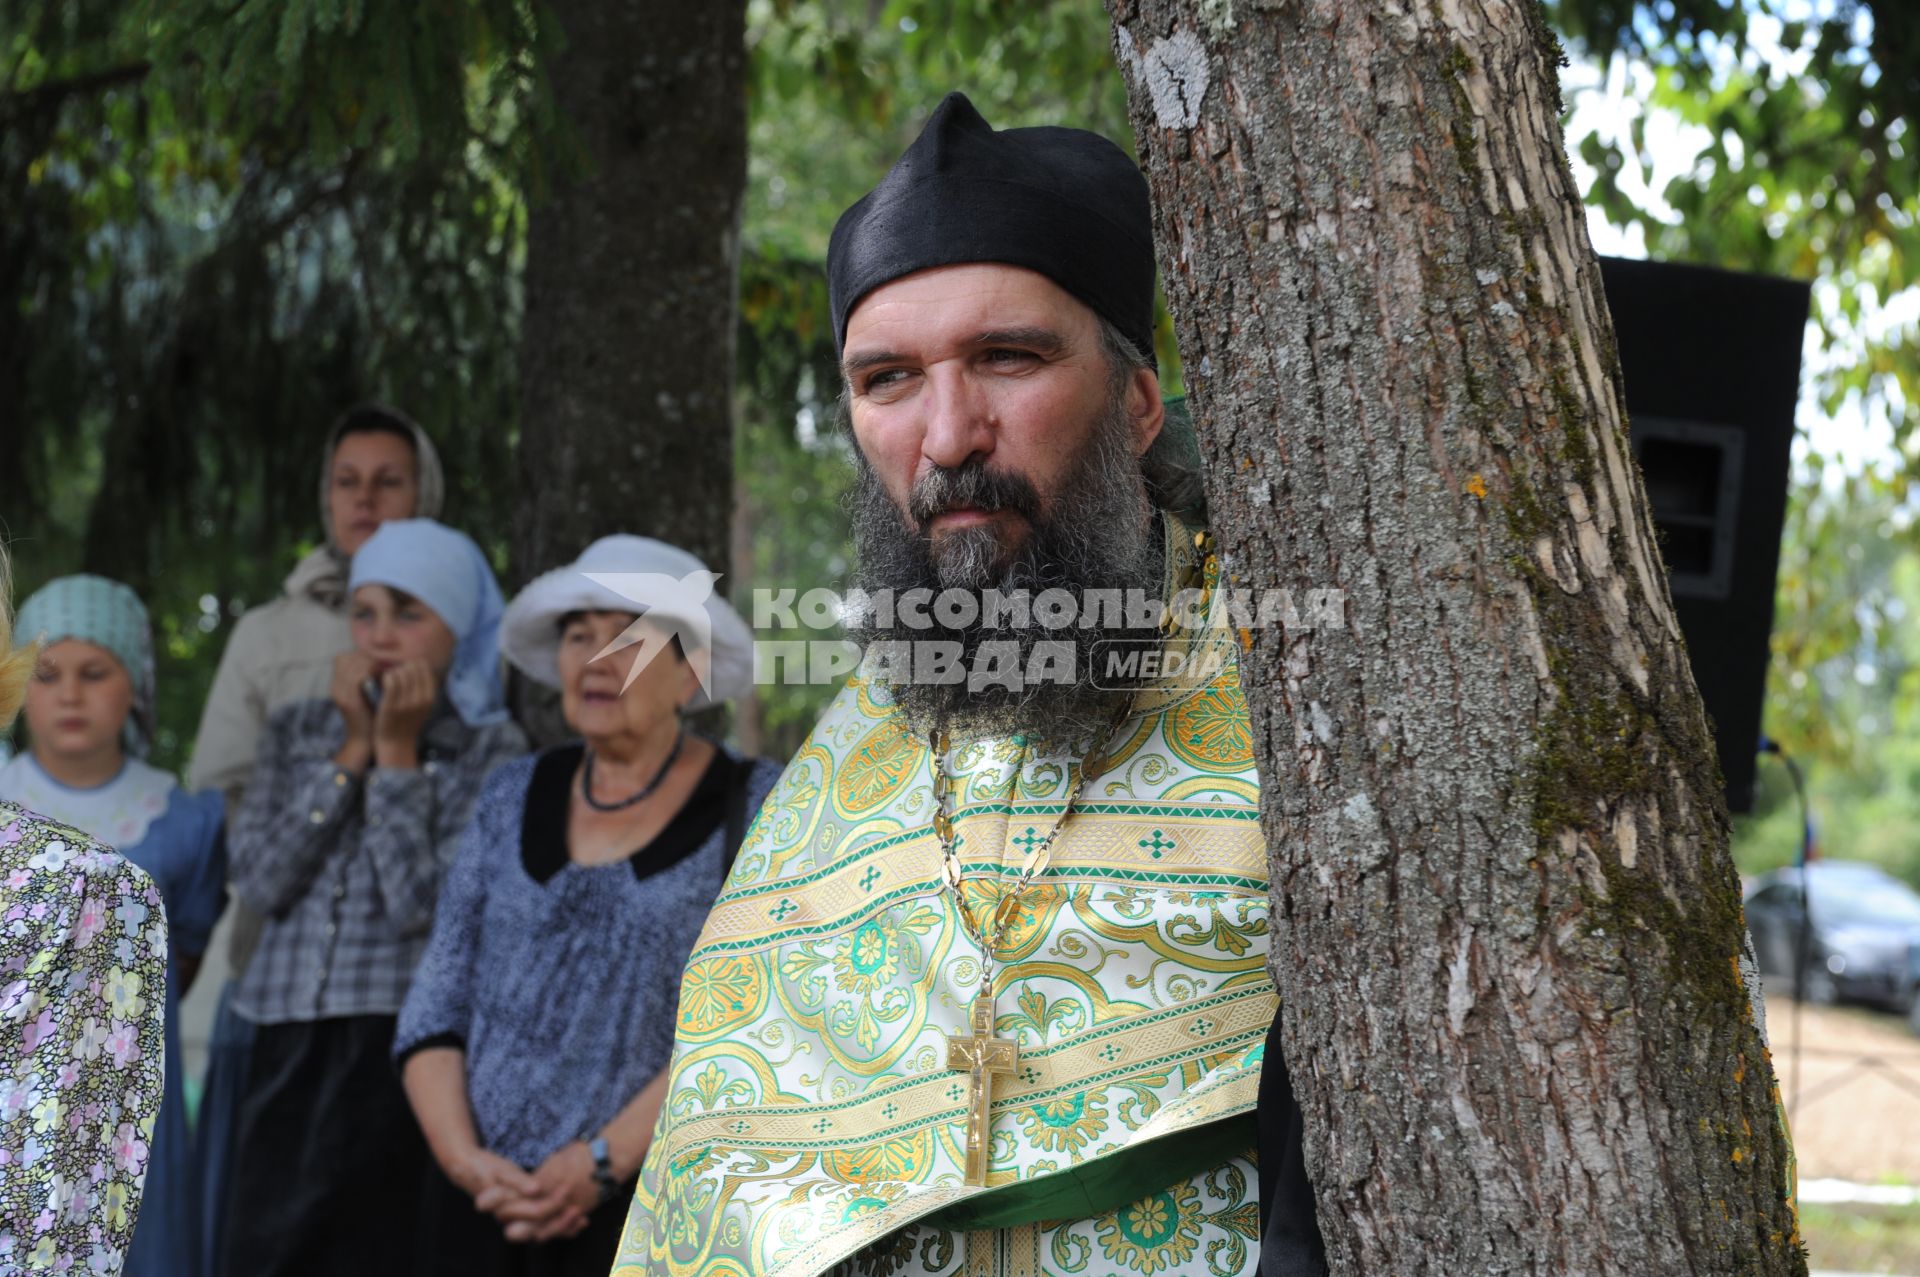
603 1168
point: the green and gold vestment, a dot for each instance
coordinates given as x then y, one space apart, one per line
811 1114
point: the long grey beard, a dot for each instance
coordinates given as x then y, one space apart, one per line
1092 538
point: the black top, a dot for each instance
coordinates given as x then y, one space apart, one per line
543 829
1290 1241
1064 202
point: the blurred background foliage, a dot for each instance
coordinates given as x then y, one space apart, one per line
221 222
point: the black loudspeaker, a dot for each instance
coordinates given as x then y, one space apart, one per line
1712 364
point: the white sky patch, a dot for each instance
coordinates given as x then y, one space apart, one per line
1858 434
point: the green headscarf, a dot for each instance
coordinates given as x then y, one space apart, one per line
97 610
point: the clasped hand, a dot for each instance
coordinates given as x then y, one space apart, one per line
551 1202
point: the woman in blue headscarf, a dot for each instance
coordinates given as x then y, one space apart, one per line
345 830
89 712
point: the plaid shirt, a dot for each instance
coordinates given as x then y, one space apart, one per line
347 868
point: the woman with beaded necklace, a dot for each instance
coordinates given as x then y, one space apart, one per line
534 1039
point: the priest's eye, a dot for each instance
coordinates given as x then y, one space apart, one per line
1006 358
883 378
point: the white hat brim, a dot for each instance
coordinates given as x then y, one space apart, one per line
530 631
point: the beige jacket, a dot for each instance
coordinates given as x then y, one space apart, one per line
280 652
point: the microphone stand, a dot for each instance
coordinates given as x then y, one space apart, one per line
1803 941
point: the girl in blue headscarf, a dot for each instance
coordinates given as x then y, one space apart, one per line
341 839
89 712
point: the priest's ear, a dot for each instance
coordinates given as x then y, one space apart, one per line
1145 409
1145 413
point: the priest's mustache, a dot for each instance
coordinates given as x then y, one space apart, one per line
970 486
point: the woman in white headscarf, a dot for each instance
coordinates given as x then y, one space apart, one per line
378 464
534 1040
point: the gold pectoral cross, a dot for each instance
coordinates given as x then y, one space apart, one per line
981 1055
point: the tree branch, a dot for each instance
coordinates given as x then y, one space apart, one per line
49 95
34 38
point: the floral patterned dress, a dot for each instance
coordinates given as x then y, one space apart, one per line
83 943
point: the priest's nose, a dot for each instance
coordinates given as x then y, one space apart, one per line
960 419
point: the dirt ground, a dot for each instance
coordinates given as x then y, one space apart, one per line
1857 1111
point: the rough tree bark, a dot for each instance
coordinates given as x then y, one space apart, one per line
1506 923
626 358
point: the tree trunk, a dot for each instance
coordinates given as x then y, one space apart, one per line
626 358
1505 920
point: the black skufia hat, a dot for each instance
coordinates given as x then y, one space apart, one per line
1064 202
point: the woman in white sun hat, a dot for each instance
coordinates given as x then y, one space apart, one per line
534 1040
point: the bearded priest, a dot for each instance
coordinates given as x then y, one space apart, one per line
985 992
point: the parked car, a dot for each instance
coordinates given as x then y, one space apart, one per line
1866 924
